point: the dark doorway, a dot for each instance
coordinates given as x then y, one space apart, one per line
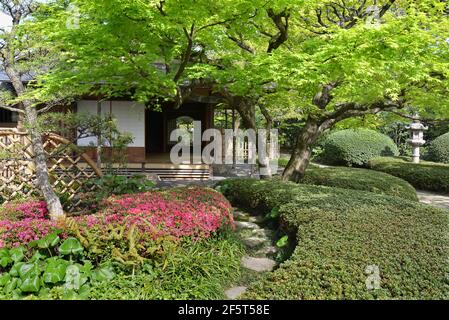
159 125
155 132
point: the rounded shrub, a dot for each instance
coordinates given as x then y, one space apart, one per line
429 176
439 149
355 147
343 237
360 179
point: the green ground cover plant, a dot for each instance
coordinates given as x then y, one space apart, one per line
343 234
197 270
49 266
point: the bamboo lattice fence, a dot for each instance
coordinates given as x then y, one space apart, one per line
68 166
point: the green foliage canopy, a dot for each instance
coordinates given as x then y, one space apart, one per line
299 58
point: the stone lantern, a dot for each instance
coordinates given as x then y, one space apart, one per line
417 138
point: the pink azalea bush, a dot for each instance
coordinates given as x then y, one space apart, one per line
192 212
184 212
17 211
23 222
16 233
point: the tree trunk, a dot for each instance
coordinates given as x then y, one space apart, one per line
302 152
40 160
247 110
266 167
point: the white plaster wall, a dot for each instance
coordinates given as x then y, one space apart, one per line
130 118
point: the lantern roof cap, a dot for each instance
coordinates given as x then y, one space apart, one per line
417 125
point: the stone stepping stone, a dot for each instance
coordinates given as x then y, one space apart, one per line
262 233
240 214
242 225
256 219
254 242
267 251
235 292
258 264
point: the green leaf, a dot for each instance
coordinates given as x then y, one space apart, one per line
17 254
31 284
73 278
49 241
27 270
274 213
4 279
84 292
5 258
55 272
71 246
37 256
282 242
70 294
11 285
15 269
103 274
86 268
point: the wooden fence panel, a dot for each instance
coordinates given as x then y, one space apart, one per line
69 168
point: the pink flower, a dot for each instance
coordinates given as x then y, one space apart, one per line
191 212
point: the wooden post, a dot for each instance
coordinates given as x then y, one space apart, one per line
234 140
99 137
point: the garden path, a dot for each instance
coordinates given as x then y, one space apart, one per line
434 199
258 242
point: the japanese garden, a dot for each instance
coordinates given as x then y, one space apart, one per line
224 150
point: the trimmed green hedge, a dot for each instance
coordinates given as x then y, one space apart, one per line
360 179
341 233
356 147
428 176
439 149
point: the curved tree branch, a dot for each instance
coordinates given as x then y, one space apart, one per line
12 109
281 20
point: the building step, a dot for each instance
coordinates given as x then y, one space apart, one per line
165 171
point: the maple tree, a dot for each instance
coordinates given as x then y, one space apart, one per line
321 62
